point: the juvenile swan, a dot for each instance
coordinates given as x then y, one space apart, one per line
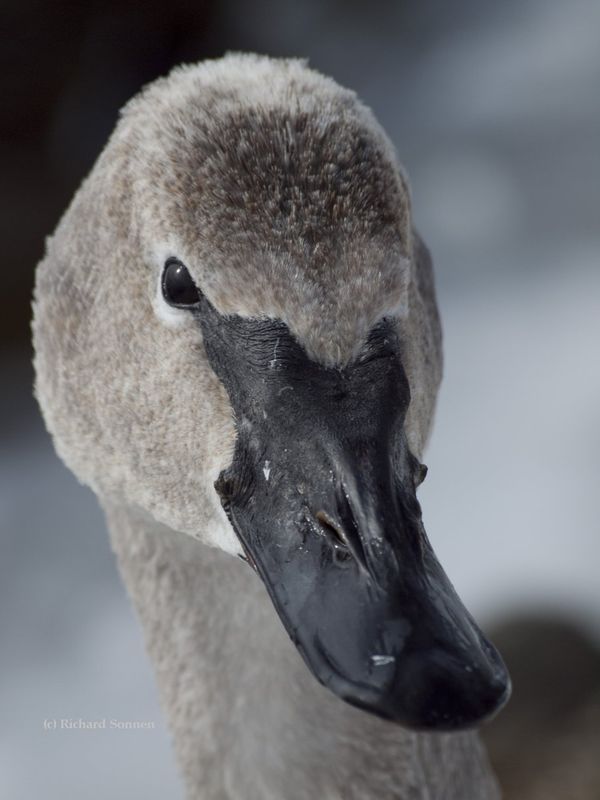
237 339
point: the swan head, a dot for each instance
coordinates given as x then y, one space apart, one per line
223 340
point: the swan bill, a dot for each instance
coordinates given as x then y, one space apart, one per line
321 492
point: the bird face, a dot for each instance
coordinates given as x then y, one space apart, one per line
249 344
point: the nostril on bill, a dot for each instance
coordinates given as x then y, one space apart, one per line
330 528
334 535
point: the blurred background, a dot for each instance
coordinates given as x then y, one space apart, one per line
495 112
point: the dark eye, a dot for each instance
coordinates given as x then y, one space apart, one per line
178 288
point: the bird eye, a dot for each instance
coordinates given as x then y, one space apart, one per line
178 288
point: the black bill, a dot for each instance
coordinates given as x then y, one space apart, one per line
322 495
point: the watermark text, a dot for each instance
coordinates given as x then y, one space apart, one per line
101 724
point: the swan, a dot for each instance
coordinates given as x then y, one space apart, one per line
237 347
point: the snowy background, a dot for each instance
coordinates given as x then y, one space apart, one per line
495 113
